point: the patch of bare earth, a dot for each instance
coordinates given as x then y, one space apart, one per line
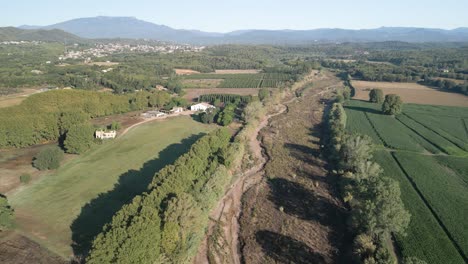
17 249
294 214
411 93
185 71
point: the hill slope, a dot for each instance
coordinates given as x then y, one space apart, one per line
53 35
129 27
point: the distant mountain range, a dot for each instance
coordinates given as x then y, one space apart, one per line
55 35
132 28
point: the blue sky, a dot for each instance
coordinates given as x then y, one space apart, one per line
223 16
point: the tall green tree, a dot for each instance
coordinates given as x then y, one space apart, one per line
376 96
393 105
79 139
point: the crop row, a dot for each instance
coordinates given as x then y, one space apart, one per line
425 238
239 83
445 191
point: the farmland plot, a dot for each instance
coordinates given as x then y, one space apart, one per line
425 238
445 191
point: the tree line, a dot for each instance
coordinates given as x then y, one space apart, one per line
376 208
167 223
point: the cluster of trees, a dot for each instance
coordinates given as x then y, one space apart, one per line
392 105
448 85
169 220
376 207
50 115
225 98
222 117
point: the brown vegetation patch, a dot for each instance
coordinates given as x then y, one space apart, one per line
193 94
411 93
294 215
202 83
16 98
17 249
185 71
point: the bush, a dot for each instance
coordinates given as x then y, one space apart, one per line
115 125
263 94
376 96
48 159
392 105
6 214
25 178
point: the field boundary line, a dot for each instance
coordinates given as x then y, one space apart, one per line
441 224
466 125
423 137
377 132
456 144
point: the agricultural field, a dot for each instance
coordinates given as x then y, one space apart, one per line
238 80
425 150
8 99
248 71
410 93
193 94
85 192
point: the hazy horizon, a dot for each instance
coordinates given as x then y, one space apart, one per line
211 16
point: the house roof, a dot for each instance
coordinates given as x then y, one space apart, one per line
204 104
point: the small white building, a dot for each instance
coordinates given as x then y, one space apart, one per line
201 107
177 110
150 114
106 134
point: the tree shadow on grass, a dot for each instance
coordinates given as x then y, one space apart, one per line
99 211
285 249
364 109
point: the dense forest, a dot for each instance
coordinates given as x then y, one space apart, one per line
48 116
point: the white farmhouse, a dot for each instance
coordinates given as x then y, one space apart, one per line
106 134
201 107
176 109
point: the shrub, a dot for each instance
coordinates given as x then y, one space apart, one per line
25 178
115 125
6 214
376 96
48 159
392 105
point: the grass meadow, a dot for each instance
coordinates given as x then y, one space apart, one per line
425 150
66 209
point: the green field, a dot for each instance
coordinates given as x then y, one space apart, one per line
424 149
74 203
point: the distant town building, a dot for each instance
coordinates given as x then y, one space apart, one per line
201 107
106 134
